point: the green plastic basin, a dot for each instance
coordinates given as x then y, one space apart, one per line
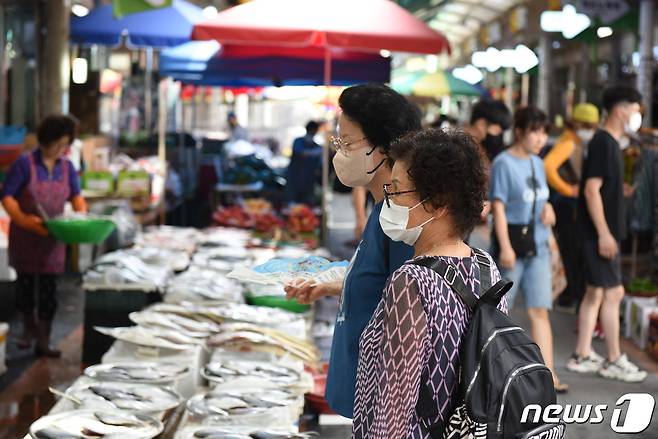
277 302
80 231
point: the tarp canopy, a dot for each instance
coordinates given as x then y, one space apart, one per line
209 63
363 24
157 28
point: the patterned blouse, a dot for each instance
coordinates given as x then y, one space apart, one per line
415 334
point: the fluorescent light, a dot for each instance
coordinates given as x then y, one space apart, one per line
524 59
79 71
507 58
79 10
385 53
568 21
604 32
209 11
479 59
493 59
468 73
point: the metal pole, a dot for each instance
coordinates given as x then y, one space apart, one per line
525 89
325 153
544 83
509 88
148 95
162 129
645 72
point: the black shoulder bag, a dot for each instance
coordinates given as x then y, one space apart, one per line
522 236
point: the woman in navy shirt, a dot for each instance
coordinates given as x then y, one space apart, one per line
40 183
373 116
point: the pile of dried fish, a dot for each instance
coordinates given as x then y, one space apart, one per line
225 403
140 398
121 267
157 338
220 373
222 259
88 424
172 238
174 260
145 372
239 433
244 336
198 284
190 327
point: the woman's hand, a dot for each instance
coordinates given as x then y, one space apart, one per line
548 215
608 246
507 257
306 292
34 224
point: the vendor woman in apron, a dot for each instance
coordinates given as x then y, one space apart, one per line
39 184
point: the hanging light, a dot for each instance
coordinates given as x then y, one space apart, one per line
79 10
79 71
604 32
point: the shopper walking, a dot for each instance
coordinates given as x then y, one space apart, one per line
433 201
602 227
372 117
40 183
563 166
489 121
522 221
305 167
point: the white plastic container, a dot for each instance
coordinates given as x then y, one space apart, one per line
4 330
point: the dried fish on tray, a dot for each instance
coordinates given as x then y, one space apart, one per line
245 336
220 258
120 267
135 398
143 372
157 338
238 432
173 238
222 372
185 325
198 284
90 424
175 260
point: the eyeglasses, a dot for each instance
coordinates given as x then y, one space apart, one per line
388 195
341 146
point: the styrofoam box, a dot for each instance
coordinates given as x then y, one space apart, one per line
640 312
625 311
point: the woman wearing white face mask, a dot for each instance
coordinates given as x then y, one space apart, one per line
433 201
563 166
373 116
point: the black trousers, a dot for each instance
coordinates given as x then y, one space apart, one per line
46 290
570 243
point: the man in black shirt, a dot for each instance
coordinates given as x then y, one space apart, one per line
602 225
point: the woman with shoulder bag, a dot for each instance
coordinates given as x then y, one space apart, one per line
522 222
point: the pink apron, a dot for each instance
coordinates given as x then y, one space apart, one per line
30 253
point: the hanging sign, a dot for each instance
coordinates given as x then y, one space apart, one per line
607 10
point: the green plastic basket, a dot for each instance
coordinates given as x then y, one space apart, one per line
80 231
277 302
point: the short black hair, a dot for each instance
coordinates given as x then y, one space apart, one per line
447 169
55 126
493 111
312 127
383 114
530 118
617 94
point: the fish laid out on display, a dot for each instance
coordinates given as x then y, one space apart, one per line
235 403
185 325
238 336
224 433
157 338
90 424
140 398
143 372
172 238
121 267
198 284
218 372
230 312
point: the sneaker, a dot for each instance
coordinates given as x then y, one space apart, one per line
622 370
590 364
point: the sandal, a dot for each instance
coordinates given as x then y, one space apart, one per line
561 387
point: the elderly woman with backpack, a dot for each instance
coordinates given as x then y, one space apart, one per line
410 361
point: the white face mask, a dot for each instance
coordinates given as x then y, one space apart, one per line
634 123
394 221
585 135
356 169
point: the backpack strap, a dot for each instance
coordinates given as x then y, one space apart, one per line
485 269
449 274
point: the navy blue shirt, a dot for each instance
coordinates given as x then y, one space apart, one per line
18 176
376 258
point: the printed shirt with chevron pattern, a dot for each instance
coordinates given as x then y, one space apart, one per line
415 334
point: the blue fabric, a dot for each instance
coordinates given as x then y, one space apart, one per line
19 175
376 258
165 27
511 179
201 63
534 277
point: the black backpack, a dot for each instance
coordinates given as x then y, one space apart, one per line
501 372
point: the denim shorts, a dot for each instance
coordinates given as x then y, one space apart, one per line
534 278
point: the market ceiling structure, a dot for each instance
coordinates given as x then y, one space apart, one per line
458 19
